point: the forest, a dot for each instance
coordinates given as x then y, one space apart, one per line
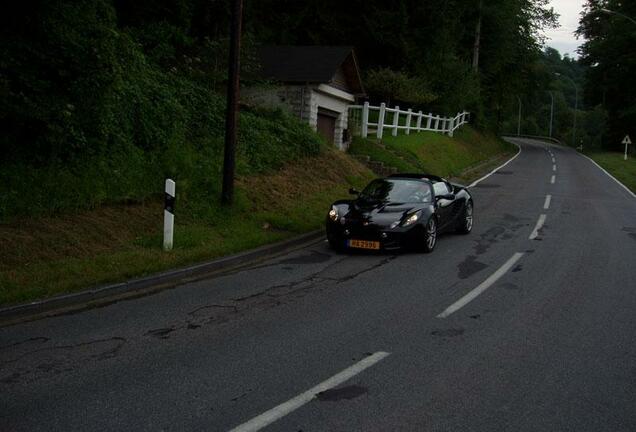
131 91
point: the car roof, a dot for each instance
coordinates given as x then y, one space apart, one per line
418 176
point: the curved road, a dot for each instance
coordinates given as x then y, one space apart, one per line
527 324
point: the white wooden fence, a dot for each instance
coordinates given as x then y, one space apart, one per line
423 122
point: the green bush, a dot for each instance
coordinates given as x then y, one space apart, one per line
390 86
95 113
267 140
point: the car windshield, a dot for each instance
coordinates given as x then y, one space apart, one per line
397 191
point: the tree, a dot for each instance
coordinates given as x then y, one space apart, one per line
610 56
390 86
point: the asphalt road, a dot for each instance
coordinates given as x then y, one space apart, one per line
399 342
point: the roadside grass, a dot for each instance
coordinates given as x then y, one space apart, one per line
433 152
442 155
623 170
45 256
369 147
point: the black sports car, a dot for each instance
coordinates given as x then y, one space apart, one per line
400 210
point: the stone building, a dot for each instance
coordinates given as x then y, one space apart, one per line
316 83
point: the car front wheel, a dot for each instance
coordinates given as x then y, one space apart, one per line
466 220
430 235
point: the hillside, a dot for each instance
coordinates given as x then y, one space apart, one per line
88 242
44 256
433 153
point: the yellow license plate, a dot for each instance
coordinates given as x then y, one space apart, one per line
364 244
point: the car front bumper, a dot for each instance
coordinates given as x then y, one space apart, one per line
339 235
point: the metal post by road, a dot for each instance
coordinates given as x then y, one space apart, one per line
551 112
519 119
576 105
231 115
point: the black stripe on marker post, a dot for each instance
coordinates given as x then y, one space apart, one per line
168 214
169 202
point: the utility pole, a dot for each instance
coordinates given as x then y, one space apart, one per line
576 110
576 105
551 112
477 39
231 115
519 118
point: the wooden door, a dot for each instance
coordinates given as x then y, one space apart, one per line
327 125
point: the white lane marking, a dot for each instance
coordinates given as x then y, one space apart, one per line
481 287
546 204
553 160
496 169
553 167
553 179
537 227
610 176
268 417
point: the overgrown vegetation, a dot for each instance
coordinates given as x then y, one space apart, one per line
610 66
64 253
390 86
128 173
98 77
95 112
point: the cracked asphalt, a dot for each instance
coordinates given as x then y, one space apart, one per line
551 345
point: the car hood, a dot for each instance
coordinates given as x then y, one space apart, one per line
379 213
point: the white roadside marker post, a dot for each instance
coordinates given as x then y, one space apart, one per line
627 142
168 215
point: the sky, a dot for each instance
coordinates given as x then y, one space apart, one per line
563 38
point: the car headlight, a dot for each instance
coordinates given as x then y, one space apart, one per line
410 219
333 213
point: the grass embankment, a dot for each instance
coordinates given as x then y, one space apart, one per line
434 153
49 255
74 226
623 170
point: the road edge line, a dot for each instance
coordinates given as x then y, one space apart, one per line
609 175
473 184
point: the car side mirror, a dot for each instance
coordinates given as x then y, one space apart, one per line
449 197
353 191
